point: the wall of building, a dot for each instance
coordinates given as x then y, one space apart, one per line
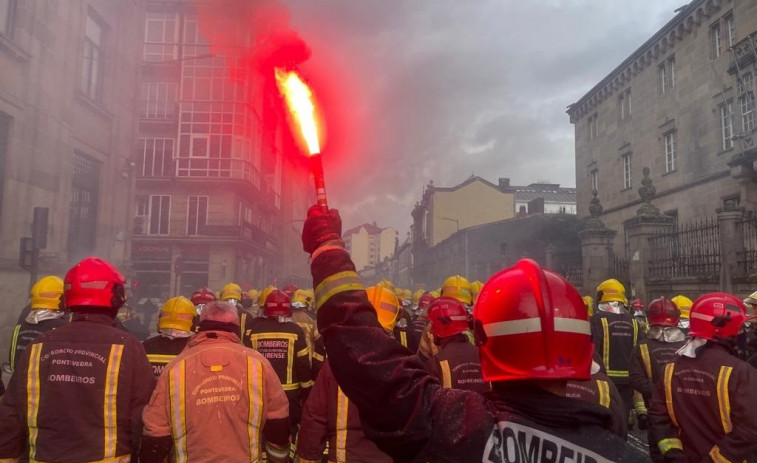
387 241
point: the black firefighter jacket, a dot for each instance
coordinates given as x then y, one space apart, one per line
407 413
77 395
615 335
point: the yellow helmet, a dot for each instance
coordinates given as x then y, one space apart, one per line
231 291
611 291
684 305
386 305
264 294
253 294
417 296
589 303
399 292
177 313
46 293
300 299
436 293
386 284
458 287
311 297
475 288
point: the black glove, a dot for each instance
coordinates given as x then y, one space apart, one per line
320 227
642 421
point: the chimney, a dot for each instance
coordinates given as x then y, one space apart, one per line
504 182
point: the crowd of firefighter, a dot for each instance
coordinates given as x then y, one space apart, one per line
519 369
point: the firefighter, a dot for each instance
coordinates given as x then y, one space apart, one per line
703 409
456 365
290 289
533 336
217 401
200 299
684 306
282 342
637 310
46 314
300 316
231 293
328 415
421 320
78 392
475 289
589 303
174 330
403 330
457 287
615 333
601 390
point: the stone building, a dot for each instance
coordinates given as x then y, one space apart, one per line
369 244
549 198
221 190
68 82
681 108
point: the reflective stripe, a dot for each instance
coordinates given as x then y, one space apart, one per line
669 393
306 384
317 356
176 391
242 325
724 402
645 359
14 345
606 344
291 338
635 324
446 376
571 325
403 338
118 459
255 415
618 373
110 423
717 457
160 358
669 444
275 453
604 393
526 325
303 352
335 284
342 404
32 397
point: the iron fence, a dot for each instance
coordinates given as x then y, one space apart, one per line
620 271
746 259
691 250
569 265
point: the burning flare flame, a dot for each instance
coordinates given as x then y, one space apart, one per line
299 101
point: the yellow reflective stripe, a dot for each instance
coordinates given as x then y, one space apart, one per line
317 356
303 352
14 345
606 344
335 284
306 384
645 359
276 453
617 373
177 391
604 393
341 426
291 337
15 460
291 386
669 393
403 338
717 457
118 459
635 324
669 444
32 397
110 423
242 325
724 401
160 358
446 376
255 416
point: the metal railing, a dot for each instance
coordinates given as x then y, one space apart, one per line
218 168
691 250
746 258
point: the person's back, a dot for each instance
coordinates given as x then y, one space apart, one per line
78 392
225 401
177 316
527 351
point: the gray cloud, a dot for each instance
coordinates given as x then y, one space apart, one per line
440 89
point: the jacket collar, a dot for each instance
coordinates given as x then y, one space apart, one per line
213 336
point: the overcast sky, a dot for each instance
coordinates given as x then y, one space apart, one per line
440 89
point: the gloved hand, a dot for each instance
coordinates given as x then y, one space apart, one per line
320 227
642 421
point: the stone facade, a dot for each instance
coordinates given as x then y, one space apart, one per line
369 244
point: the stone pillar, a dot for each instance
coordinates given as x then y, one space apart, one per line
596 257
731 243
639 229
550 257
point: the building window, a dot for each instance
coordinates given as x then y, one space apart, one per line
624 105
82 216
158 213
594 179
626 158
6 16
730 30
667 71
593 126
671 152
715 40
155 157
91 78
161 37
746 101
726 125
158 100
197 216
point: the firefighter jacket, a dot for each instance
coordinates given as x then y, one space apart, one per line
407 413
403 331
648 361
219 401
329 416
25 333
426 346
161 350
306 322
704 408
457 365
418 327
77 395
246 318
601 390
615 335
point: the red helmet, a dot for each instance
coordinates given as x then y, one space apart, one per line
277 304
425 300
717 316
637 304
532 323
448 317
203 296
290 289
94 282
663 312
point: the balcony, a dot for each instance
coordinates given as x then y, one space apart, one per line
160 165
246 231
744 53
